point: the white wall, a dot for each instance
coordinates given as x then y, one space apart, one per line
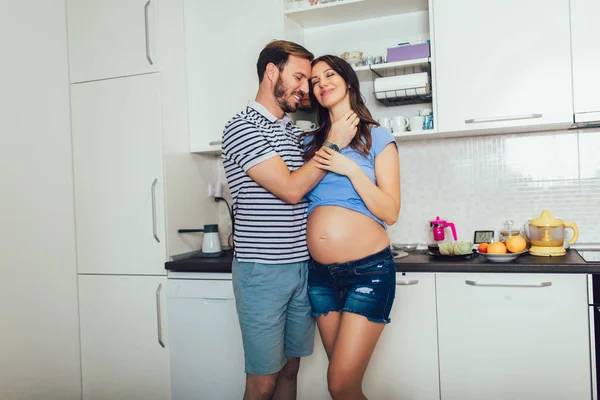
186 175
39 345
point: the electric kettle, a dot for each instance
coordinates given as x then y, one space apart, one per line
437 233
211 244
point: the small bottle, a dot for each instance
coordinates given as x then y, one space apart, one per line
427 118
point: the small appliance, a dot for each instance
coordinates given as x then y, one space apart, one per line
211 244
437 233
547 235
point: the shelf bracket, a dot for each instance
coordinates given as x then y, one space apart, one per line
374 72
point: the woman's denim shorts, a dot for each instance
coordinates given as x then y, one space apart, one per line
365 287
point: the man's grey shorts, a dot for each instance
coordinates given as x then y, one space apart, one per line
274 312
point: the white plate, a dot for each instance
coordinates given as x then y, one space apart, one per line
500 258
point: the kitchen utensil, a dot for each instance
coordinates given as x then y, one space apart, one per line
438 226
211 243
416 123
306 125
452 257
405 247
399 124
508 231
547 235
437 233
386 122
352 57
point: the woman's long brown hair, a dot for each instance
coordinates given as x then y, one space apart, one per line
362 140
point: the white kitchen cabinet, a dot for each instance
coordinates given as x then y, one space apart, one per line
207 355
585 39
502 67
404 365
405 362
513 336
111 38
124 352
118 173
223 41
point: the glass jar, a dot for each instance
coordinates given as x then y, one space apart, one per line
508 231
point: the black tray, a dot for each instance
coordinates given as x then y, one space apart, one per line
454 257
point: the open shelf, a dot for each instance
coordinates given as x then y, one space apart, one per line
342 11
398 64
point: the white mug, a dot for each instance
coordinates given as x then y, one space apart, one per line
306 125
399 124
416 123
385 122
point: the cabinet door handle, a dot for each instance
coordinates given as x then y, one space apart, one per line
497 284
154 229
506 118
147 31
159 315
215 143
407 283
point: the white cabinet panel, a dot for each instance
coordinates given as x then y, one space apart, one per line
585 36
405 362
513 336
404 365
111 38
117 147
207 356
502 66
121 354
223 41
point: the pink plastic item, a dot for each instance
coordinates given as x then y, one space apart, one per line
438 225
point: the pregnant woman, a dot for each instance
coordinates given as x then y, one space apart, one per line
352 278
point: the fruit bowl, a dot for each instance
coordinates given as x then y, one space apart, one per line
501 258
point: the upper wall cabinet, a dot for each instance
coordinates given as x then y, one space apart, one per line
503 67
585 37
111 38
223 42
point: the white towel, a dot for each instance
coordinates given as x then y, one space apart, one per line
401 85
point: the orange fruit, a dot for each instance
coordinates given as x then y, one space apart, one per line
516 244
496 248
482 248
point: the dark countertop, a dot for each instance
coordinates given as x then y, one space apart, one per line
416 261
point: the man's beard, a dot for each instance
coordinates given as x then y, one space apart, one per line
281 95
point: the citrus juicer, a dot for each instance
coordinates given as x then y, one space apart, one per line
547 235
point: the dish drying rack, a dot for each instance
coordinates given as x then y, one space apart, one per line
399 97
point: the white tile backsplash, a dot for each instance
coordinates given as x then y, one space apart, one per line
479 182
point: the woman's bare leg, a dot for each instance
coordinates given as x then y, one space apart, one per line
354 344
328 329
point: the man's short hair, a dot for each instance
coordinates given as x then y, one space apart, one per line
278 52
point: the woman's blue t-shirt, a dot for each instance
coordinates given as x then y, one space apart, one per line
337 190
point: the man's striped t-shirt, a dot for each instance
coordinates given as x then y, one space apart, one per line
267 229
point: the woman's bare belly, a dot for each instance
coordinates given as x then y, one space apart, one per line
337 234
